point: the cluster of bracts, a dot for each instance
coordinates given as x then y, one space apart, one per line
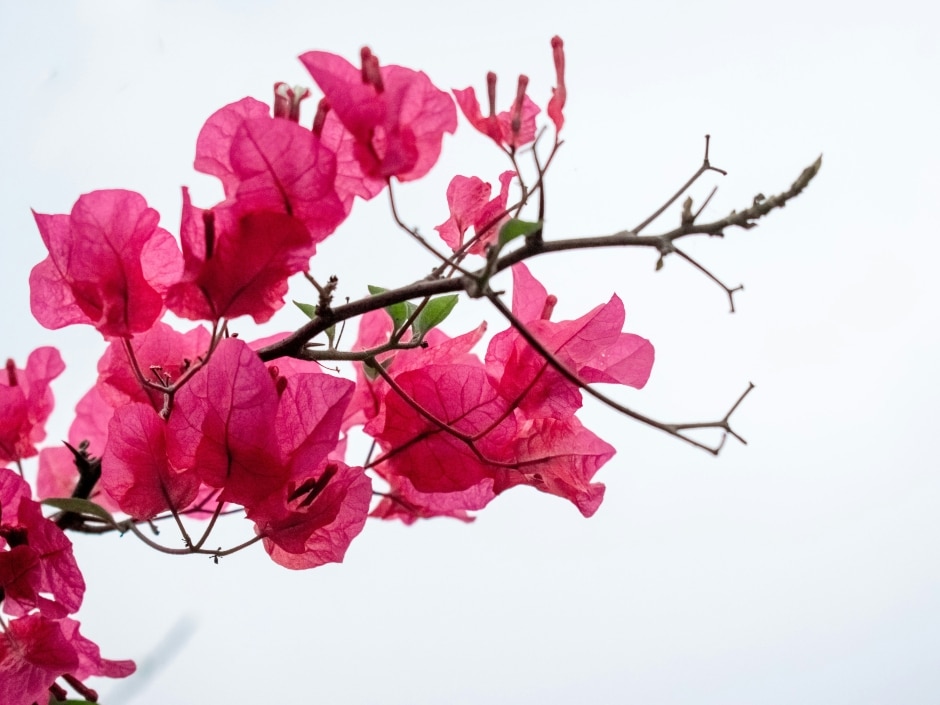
188 423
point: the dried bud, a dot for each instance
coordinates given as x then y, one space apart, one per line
515 124
370 70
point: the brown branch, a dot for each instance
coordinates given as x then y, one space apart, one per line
673 429
293 344
706 166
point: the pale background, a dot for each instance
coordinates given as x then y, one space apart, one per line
801 568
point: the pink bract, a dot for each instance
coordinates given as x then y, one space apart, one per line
136 472
470 206
305 529
498 127
109 265
221 426
593 347
398 118
269 164
237 262
26 402
36 650
37 568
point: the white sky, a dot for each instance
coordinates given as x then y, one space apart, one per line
801 568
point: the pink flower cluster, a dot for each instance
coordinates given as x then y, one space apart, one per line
40 586
456 432
190 422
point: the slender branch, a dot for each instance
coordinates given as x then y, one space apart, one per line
293 344
131 525
729 291
447 261
209 526
358 355
706 166
672 429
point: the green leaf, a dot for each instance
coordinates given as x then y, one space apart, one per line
434 313
372 372
399 312
309 309
330 335
81 506
410 308
514 227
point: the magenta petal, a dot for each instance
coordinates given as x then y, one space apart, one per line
432 459
282 167
135 469
90 662
300 537
398 131
33 653
54 583
214 144
309 417
559 457
26 402
109 265
221 426
246 273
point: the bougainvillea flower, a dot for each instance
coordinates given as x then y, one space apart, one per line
35 651
214 143
560 92
33 654
315 521
26 402
471 207
313 517
268 164
396 115
509 423
433 472
509 129
433 460
593 347
221 426
309 418
37 568
109 265
237 263
136 472
351 180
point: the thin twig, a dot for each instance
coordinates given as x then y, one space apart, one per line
706 166
292 345
672 429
